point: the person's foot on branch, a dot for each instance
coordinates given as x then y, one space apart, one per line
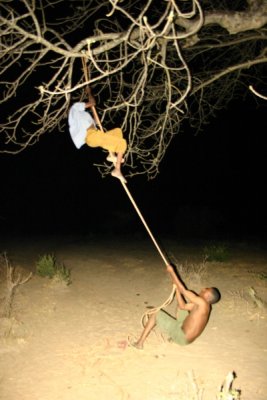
117 174
113 158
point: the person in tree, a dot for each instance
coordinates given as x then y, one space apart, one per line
192 318
83 129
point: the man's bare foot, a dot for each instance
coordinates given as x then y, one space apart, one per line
117 174
134 344
112 158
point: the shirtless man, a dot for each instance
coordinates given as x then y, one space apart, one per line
192 316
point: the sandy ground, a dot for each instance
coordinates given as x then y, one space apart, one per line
67 343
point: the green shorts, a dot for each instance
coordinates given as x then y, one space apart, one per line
173 327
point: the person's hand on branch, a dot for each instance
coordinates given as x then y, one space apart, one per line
91 102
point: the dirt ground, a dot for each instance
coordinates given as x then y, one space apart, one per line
70 342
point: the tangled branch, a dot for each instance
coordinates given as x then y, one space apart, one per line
151 66
13 280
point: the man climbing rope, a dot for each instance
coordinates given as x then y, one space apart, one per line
83 130
192 316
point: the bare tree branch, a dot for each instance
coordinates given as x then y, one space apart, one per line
257 93
254 17
151 66
13 280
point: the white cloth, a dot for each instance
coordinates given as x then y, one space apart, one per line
79 121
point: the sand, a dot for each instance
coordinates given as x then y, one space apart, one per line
70 342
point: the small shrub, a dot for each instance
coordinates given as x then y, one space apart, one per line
262 276
193 274
47 266
14 278
62 275
216 253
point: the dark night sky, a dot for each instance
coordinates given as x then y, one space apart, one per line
210 185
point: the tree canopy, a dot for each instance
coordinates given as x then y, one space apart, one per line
153 66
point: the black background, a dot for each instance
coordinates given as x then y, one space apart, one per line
212 185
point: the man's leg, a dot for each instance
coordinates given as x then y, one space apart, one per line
151 323
117 170
114 143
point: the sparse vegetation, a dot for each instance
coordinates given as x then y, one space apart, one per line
14 278
214 252
48 266
192 273
262 276
62 274
257 301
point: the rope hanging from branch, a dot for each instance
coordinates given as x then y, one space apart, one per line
88 89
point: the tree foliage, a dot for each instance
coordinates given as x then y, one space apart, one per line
152 65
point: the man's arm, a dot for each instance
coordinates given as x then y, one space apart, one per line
91 102
180 286
181 289
180 300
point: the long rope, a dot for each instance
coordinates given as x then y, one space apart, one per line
145 316
123 183
144 223
96 118
169 300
